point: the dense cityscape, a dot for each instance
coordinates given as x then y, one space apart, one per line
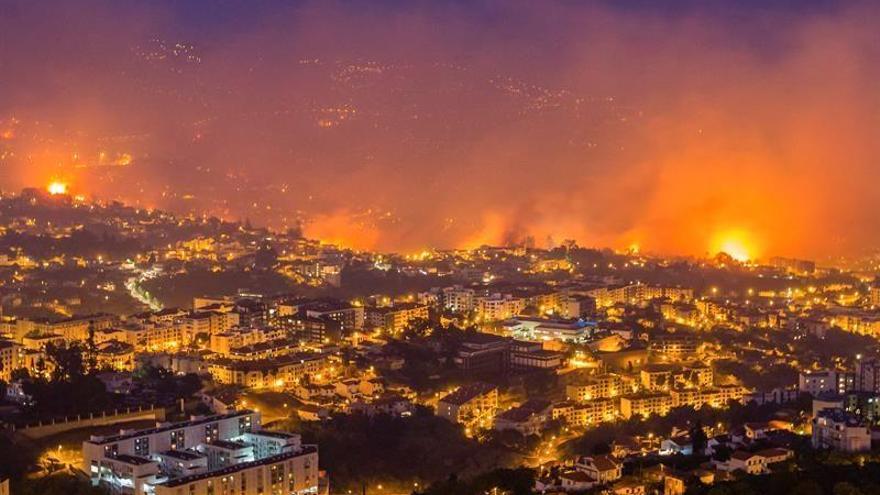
146 353
449 247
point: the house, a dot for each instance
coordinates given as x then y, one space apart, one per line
717 441
575 481
748 462
390 404
775 455
626 446
756 431
680 444
674 483
603 469
628 487
309 412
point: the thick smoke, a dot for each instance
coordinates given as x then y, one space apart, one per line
405 125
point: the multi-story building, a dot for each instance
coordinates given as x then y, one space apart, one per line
682 313
473 406
278 373
208 322
638 294
76 328
715 397
586 413
482 352
837 429
665 377
458 299
817 383
270 349
794 266
227 453
603 386
674 348
712 310
396 318
9 359
349 318
645 404
542 329
224 342
532 355
115 355
290 472
867 375
496 307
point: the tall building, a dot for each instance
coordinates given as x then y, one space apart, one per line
867 377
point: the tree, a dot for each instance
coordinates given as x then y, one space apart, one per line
68 361
844 488
699 440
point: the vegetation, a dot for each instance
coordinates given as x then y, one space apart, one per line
734 414
57 484
362 451
511 481
68 389
823 479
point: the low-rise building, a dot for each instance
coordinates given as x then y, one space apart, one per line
602 469
528 418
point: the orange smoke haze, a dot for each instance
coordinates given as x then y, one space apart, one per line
403 126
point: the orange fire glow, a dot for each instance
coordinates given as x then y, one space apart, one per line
57 187
737 243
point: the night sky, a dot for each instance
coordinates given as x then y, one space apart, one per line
400 125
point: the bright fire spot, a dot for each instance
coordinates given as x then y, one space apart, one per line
734 243
57 187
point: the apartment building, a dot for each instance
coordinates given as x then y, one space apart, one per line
604 386
228 453
645 404
837 429
586 413
473 406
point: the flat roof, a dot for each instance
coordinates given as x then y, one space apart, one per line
169 427
182 455
183 480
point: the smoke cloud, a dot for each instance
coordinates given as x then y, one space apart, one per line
405 125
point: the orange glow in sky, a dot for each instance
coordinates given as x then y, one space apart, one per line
738 244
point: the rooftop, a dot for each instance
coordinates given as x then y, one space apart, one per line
467 393
309 449
168 427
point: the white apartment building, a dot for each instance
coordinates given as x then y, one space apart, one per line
202 456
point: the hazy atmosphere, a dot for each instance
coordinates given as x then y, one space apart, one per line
404 125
